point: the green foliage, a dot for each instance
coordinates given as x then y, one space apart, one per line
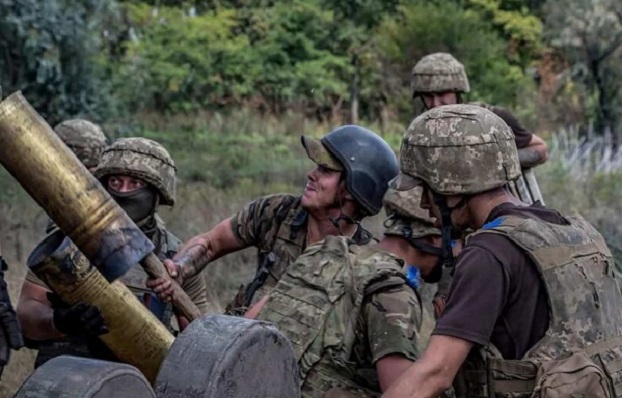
179 62
425 28
50 51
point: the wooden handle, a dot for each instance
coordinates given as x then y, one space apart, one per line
181 301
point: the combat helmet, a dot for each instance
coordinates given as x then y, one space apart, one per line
368 161
437 73
404 215
458 150
85 139
141 158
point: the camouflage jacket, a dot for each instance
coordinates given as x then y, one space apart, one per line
584 299
277 226
344 307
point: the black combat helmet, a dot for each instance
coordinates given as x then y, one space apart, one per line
368 161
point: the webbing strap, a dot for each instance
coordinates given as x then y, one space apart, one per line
516 386
603 345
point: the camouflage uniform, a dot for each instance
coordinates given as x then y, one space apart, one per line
277 226
466 150
344 307
85 139
149 161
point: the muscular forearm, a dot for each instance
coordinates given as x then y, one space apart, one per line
207 247
529 157
36 319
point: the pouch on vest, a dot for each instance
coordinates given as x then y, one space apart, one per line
576 376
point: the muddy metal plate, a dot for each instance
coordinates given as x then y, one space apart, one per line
72 377
221 356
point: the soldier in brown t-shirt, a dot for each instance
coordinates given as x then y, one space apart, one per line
354 166
526 272
439 79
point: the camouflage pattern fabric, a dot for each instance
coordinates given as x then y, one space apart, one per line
141 158
584 298
458 149
344 307
405 213
85 139
277 226
438 73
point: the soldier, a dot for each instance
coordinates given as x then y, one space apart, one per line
10 332
140 175
354 321
439 79
533 305
85 139
354 166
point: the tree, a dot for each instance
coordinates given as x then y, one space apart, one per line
589 35
51 50
426 27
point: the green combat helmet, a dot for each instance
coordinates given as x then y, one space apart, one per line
85 139
141 158
458 150
404 216
437 73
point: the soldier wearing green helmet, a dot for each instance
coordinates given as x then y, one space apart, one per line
533 308
140 175
368 322
440 79
86 139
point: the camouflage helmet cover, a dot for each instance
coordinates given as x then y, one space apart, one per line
437 73
141 158
85 139
456 150
405 214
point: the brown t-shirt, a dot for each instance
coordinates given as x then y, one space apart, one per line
497 295
521 136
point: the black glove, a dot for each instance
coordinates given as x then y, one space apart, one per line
10 332
80 319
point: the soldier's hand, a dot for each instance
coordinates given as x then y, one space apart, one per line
78 319
163 286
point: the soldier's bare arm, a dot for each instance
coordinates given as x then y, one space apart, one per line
35 313
435 372
195 255
390 368
535 153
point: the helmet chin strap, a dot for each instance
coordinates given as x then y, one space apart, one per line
344 217
447 229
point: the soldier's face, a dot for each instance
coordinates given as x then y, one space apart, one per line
122 183
432 100
323 188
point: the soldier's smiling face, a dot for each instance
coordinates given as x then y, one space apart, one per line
324 186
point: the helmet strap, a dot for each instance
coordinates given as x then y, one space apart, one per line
349 220
447 228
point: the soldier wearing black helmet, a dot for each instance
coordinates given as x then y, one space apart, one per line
353 167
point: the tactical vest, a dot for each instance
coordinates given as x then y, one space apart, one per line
166 246
317 303
288 244
585 315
